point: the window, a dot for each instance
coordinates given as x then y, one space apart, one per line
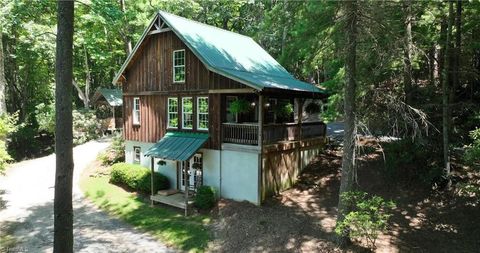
187 113
179 66
136 111
202 113
136 154
172 115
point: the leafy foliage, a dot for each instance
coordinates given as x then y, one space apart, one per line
137 177
368 218
115 153
205 197
7 127
472 153
240 106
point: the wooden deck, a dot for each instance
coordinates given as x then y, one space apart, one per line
176 200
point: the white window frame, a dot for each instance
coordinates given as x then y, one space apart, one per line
174 66
183 112
135 116
136 159
198 113
168 112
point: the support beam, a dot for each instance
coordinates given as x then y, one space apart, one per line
159 31
186 181
152 165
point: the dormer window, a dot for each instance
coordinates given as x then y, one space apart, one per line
179 66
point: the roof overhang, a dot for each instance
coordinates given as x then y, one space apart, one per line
177 146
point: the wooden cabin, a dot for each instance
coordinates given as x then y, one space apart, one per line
206 106
109 106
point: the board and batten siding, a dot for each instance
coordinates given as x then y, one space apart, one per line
151 69
153 118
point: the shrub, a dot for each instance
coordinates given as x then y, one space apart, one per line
86 126
205 197
7 127
137 177
472 153
115 153
368 218
414 161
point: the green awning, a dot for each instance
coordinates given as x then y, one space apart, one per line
177 146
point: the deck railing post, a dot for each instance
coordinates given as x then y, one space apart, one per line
152 165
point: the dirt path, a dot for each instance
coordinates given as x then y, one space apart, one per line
26 210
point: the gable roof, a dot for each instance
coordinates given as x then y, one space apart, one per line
230 54
112 96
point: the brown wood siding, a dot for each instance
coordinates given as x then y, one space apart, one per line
151 69
153 118
152 123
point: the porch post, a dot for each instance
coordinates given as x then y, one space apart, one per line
300 102
151 180
185 175
260 120
260 146
114 122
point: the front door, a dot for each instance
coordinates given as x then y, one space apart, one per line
194 175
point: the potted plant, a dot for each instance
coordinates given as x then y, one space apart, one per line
240 106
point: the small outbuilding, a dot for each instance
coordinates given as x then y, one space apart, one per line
108 103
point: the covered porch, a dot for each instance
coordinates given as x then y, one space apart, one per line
180 148
271 117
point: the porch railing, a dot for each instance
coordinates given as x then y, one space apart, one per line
243 133
240 133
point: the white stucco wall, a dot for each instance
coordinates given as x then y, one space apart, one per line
169 170
240 176
144 146
211 169
233 173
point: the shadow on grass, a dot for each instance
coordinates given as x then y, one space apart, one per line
171 227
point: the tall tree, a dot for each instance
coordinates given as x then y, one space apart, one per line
348 159
63 211
407 51
446 91
3 81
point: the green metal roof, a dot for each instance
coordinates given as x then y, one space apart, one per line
230 54
113 96
177 146
234 55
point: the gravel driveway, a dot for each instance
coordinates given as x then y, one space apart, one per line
26 210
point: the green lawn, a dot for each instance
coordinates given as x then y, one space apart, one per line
172 228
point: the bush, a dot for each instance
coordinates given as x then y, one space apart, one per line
414 161
7 127
115 153
137 177
472 153
86 126
205 197
368 218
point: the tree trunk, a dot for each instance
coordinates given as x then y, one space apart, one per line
456 53
126 40
3 81
348 159
407 52
445 91
63 211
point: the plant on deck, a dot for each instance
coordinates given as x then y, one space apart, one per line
137 177
368 218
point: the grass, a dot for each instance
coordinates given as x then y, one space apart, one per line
170 227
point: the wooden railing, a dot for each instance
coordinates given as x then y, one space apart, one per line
240 133
244 133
